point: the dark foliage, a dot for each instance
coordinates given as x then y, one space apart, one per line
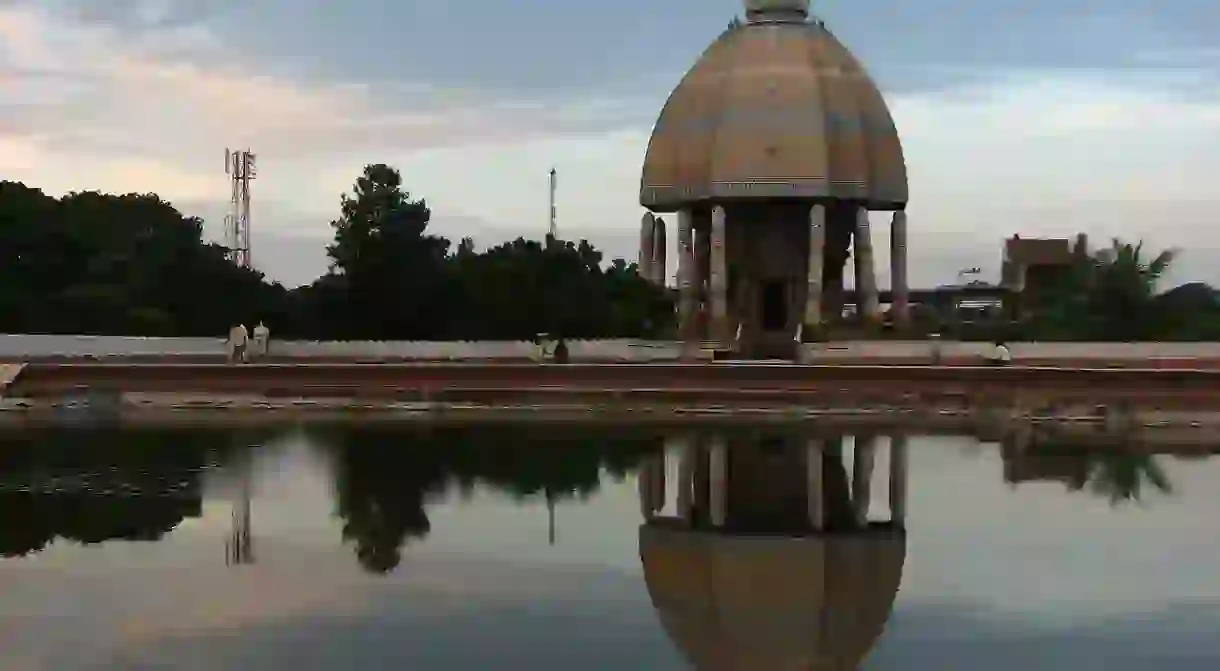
91 263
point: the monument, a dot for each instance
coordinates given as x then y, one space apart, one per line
772 151
765 556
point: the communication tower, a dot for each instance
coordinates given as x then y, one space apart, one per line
554 183
240 167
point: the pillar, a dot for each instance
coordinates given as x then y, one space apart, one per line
657 495
900 306
660 270
863 457
866 278
717 481
686 478
898 480
814 489
817 247
719 281
647 228
687 275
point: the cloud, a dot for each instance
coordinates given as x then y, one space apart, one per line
143 95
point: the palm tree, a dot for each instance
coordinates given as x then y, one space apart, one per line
1110 295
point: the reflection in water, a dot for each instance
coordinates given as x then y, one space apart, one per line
1117 474
770 560
239 548
91 487
762 548
385 476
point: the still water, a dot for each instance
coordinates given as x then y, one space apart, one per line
403 547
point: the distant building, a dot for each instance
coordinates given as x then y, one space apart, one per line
1033 266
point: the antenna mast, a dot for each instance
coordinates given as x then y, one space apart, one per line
551 229
240 167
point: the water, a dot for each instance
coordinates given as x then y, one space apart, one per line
370 547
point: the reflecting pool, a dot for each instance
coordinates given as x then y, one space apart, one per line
570 546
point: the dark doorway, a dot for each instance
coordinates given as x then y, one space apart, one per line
774 305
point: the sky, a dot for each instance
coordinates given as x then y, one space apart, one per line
1044 117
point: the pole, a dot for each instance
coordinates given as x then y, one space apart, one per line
554 184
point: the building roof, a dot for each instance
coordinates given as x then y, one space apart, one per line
777 107
746 603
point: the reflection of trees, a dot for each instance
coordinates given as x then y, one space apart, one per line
90 486
1118 474
386 474
1121 477
381 480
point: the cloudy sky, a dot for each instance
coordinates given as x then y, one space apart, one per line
1043 116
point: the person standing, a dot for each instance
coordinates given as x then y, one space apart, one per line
239 337
262 339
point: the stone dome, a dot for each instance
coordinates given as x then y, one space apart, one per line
746 603
775 108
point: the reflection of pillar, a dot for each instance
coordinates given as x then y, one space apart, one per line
686 478
659 268
644 485
647 228
863 457
718 480
900 304
687 276
719 284
866 278
814 486
898 480
817 246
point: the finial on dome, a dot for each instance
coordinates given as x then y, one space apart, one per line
771 11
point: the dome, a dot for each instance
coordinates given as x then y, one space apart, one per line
775 108
738 603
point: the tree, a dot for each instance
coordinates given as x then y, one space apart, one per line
394 273
132 264
1110 295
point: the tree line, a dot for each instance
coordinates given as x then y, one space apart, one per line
100 264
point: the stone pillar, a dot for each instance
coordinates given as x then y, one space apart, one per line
657 495
688 274
900 306
718 494
817 247
719 279
898 480
686 478
866 277
660 270
814 485
863 458
648 226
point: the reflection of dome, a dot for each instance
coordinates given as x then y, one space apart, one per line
776 108
765 603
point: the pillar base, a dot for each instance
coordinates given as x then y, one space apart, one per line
814 333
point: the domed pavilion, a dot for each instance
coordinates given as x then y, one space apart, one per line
772 150
768 561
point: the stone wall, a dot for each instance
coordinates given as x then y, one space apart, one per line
44 346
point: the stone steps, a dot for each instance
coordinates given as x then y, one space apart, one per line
9 373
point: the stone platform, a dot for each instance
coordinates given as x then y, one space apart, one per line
1021 389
